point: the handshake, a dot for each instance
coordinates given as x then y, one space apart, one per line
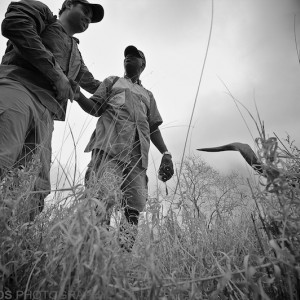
65 89
166 169
76 90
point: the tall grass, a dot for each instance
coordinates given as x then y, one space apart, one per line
65 253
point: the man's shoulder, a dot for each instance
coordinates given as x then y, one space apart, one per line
142 86
32 3
111 80
33 6
148 92
113 77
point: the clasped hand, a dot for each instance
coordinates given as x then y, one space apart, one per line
66 89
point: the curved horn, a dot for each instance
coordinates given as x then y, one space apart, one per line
245 151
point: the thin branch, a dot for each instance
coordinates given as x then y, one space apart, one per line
296 43
198 88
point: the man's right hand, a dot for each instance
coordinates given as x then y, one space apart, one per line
63 89
76 89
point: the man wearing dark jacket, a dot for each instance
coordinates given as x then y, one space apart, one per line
41 61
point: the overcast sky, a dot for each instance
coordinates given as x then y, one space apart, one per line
252 51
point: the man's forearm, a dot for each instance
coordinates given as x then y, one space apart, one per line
87 80
157 140
88 105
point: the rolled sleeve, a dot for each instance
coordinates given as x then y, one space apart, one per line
155 118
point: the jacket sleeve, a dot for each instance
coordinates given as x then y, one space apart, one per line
23 23
86 79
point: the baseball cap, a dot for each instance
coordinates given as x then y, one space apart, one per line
97 9
134 51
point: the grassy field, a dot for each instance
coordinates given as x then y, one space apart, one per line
235 240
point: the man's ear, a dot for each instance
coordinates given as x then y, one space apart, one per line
69 4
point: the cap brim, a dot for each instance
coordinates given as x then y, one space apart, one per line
98 12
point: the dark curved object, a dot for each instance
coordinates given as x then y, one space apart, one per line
244 149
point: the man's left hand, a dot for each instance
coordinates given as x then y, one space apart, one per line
166 169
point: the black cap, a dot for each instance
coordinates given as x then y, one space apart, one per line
97 9
135 51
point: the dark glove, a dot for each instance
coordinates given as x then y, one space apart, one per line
166 169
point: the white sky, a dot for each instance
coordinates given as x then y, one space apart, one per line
252 50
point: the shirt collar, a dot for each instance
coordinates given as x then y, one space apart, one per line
137 82
62 27
76 39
